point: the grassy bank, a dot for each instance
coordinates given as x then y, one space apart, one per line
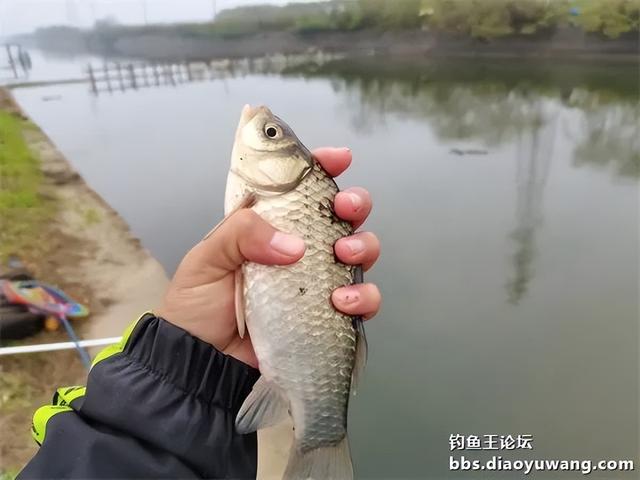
27 230
23 213
23 208
65 235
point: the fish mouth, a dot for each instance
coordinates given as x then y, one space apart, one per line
249 113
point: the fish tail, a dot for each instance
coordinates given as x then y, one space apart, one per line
332 462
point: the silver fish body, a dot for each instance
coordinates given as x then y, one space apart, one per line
303 344
306 349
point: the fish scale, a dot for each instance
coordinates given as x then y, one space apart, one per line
305 346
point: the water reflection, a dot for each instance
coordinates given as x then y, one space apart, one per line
534 151
496 105
493 104
479 184
501 105
608 135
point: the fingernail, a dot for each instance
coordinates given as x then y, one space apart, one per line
356 201
286 244
355 245
347 296
346 149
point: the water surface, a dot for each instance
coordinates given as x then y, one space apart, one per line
506 200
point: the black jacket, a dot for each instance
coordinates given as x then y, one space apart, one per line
161 404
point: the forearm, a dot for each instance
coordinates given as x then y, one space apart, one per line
160 404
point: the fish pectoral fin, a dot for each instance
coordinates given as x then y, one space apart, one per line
264 407
239 301
248 201
361 355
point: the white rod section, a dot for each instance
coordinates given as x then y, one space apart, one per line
50 347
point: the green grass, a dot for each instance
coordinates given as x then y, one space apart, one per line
19 170
22 208
91 216
15 392
8 474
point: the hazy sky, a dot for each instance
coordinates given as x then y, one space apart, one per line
17 16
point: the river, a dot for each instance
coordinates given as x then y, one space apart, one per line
506 200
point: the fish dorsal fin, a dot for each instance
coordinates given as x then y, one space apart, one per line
239 301
362 348
264 407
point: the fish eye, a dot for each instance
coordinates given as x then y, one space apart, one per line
272 131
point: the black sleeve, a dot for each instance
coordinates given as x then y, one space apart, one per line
161 404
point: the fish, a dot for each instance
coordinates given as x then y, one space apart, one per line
310 355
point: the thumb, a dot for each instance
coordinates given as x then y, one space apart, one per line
243 236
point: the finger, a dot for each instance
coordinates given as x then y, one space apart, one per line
353 205
242 348
333 160
245 236
362 248
361 300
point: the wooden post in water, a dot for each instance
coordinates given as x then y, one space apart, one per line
176 73
137 75
24 59
145 69
120 77
132 76
156 74
180 70
169 70
92 79
165 75
107 78
12 63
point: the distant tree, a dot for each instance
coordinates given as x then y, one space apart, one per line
105 23
390 15
347 17
484 19
446 15
496 18
609 17
490 19
530 16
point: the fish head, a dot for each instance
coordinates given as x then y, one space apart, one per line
267 156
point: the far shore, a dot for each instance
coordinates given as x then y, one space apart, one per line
565 43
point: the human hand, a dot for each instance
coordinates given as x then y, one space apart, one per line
200 298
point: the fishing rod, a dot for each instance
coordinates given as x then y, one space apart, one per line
51 347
